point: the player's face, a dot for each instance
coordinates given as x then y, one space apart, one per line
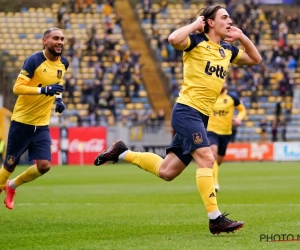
222 23
54 42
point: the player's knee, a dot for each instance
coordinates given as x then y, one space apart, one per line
210 160
166 175
43 166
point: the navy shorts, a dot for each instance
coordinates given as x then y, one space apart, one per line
221 141
22 137
190 132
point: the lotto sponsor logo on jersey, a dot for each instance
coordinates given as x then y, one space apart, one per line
218 70
24 72
220 113
85 144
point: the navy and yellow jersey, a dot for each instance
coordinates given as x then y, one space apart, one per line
38 71
220 121
205 68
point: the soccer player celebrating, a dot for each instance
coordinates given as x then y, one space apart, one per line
38 82
206 58
220 127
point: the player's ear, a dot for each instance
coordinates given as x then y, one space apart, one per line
44 40
210 22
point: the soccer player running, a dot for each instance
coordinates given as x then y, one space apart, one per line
38 82
219 127
206 59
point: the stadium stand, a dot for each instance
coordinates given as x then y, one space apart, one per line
103 83
262 88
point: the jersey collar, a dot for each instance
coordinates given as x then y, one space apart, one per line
211 42
48 58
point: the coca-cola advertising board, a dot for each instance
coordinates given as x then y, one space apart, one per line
85 143
55 139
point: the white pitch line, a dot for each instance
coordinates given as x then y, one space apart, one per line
142 204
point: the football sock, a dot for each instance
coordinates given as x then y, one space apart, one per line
4 175
29 175
216 173
205 184
147 161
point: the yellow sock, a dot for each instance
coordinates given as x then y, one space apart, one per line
29 175
205 184
147 161
4 175
216 173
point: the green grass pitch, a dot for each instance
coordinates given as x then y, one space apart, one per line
122 207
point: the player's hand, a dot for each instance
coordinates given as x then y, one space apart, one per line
199 24
233 34
52 90
60 106
236 121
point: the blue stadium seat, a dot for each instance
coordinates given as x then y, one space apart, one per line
49 20
82 26
147 106
38 36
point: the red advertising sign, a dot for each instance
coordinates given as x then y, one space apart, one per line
55 135
85 143
249 152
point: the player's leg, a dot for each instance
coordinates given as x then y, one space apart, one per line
214 146
221 151
19 138
191 126
167 169
40 150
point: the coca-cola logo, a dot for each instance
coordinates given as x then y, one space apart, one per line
54 146
91 146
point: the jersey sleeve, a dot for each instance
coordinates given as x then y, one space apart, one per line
194 40
28 69
21 87
235 99
236 54
239 106
191 43
65 62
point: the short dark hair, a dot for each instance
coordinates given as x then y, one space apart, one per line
208 12
48 31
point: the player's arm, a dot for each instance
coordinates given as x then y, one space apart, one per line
21 85
21 88
241 111
240 108
179 39
250 55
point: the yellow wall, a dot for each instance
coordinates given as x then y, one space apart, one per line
5 116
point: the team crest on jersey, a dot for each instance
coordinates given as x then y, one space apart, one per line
59 73
197 137
10 159
222 52
225 101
